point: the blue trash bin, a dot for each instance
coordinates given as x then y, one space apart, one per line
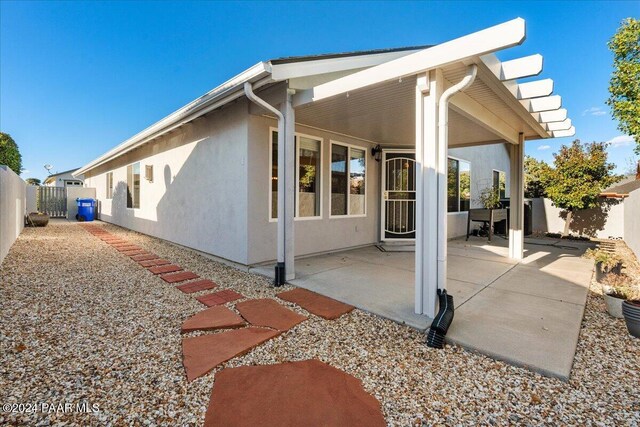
86 209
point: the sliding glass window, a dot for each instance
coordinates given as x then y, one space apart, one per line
458 185
348 180
308 198
133 186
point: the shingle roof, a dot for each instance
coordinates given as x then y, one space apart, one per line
303 58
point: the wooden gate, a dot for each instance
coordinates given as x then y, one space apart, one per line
52 201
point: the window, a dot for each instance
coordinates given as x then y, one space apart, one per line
148 173
309 167
458 185
133 186
348 178
500 183
308 198
110 185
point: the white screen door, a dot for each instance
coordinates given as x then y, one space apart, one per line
399 195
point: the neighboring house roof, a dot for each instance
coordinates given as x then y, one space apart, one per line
622 190
52 177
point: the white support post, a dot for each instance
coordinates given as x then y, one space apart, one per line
428 91
289 186
516 205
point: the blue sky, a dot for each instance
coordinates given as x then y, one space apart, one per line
77 78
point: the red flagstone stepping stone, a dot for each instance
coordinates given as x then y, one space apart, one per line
144 257
267 312
116 243
317 304
305 393
127 248
219 317
135 252
197 286
220 297
202 354
160 269
152 262
179 277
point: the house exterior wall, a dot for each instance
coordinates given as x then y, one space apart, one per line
198 197
632 223
311 235
484 160
12 208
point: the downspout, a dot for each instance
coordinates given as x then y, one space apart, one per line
444 317
443 147
280 274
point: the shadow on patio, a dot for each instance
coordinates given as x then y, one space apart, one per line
528 313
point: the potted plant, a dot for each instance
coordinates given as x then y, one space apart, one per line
631 313
616 288
489 198
37 219
606 262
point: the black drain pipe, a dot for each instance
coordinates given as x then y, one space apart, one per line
442 321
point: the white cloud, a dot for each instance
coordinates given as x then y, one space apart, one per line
544 147
621 141
594 111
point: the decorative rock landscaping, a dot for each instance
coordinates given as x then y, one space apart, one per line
83 324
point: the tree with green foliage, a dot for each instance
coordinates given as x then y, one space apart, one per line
533 169
579 174
624 87
9 153
33 181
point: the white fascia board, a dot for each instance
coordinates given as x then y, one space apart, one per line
502 36
295 70
527 66
535 89
564 133
563 125
226 92
546 103
550 116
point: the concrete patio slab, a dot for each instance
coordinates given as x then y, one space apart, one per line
522 329
550 283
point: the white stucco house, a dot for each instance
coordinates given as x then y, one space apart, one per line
64 179
312 154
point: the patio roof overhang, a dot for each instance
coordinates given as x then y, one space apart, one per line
378 103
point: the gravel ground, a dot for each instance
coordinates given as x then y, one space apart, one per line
81 323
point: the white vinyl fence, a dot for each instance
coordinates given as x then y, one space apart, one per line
632 221
12 208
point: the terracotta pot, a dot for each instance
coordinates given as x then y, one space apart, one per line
38 219
631 312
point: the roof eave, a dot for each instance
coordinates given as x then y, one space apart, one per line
229 90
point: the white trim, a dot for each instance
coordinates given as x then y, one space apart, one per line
348 172
297 173
498 37
217 97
